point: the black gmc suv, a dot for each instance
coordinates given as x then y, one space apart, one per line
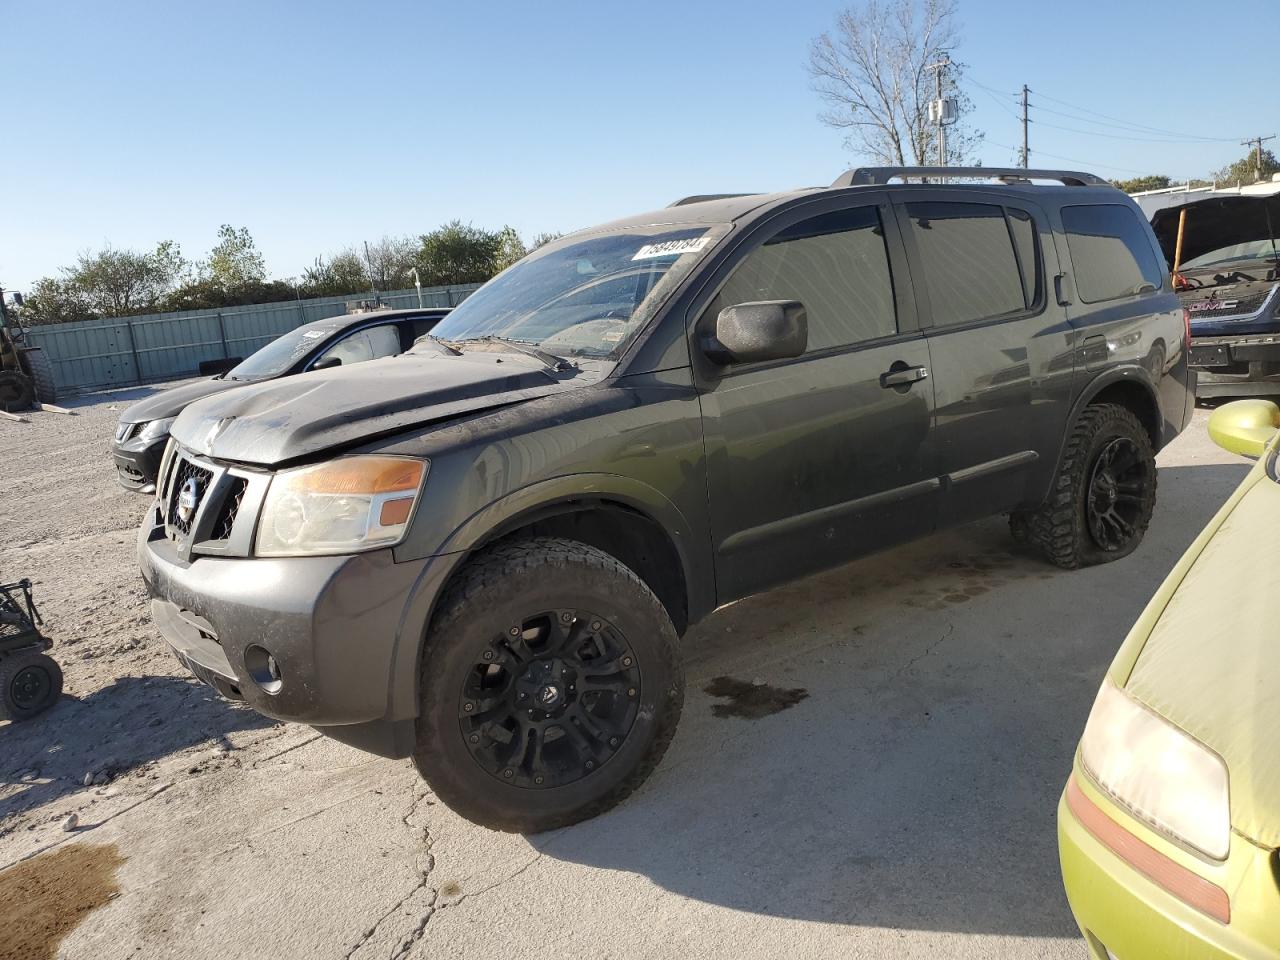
482 553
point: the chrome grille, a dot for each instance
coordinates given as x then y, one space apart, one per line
230 507
183 471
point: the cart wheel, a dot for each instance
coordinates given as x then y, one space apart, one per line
30 683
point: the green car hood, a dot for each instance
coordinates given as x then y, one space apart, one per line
1211 664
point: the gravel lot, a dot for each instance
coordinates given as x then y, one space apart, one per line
898 801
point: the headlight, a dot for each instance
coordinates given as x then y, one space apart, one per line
346 505
156 428
1162 775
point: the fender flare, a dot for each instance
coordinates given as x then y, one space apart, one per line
1129 373
512 511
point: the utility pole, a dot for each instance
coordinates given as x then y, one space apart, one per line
1026 154
938 69
1257 158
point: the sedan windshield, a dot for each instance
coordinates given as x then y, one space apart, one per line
280 354
580 297
1236 253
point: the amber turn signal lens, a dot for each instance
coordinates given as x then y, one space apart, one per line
351 475
1191 888
395 512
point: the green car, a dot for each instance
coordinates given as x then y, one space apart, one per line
1169 826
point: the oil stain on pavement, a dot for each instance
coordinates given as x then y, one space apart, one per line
751 701
44 898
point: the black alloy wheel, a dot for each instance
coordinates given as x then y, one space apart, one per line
1118 492
551 700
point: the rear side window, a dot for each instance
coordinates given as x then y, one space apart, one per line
1110 251
836 265
971 270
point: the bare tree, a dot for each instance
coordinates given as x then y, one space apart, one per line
873 72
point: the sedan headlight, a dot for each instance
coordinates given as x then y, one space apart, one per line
346 505
155 429
1163 776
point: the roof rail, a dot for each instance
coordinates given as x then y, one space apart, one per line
881 175
703 197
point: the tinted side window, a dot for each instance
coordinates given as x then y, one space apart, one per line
1023 230
1110 252
836 265
370 344
970 270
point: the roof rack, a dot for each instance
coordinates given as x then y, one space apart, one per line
881 175
703 197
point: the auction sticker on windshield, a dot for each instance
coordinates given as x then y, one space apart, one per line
670 248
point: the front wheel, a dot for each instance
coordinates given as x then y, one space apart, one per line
1103 494
551 686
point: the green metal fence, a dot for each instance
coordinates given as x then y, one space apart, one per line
96 354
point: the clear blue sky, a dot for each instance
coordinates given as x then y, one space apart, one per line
318 125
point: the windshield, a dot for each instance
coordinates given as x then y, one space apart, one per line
1236 253
279 355
585 297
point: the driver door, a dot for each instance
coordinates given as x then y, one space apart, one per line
814 460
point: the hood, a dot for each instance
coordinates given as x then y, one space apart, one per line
281 420
1211 666
171 402
1216 223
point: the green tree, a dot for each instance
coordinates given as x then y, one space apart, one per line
1245 170
389 263
458 253
235 262
1155 181
511 248
342 273
52 300
542 239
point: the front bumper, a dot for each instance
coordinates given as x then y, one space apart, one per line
1237 366
343 631
138 462
1126 916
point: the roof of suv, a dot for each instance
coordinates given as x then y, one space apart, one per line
726 208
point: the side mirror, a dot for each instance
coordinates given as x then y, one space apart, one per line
1245 426
752 332
324 363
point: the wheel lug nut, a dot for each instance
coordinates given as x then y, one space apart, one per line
488 654
566 617
514 631
595 624
613 741
475 738
626 661
524 696
537 780
631 691
468 707
507 774
591 764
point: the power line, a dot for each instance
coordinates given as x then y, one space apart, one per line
1127 123
1113 136
1119 126
1088 164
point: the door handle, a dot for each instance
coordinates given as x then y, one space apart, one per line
902 375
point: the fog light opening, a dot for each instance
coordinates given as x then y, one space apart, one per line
263 668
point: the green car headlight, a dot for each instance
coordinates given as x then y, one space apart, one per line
1161 774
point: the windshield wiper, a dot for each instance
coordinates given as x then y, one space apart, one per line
552 362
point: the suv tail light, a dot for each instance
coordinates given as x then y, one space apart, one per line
1186 328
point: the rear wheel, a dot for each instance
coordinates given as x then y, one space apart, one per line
17 392
30 683
41 370
1103 495
551 686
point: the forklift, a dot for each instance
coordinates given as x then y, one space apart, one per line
26 374
30 679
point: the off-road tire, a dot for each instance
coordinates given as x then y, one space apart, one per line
17 392
498 588
41 370
1059 529
12 669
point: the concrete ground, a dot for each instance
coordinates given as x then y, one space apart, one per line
905 807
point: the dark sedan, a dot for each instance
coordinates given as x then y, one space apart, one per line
143 429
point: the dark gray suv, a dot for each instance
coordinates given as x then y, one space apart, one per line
483 553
